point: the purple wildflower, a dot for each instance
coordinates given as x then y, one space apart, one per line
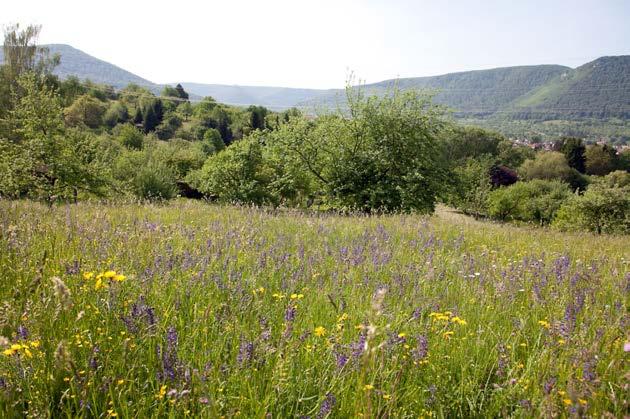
422 349
549 385
22 332
327 406
245 352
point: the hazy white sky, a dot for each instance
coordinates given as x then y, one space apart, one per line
315 43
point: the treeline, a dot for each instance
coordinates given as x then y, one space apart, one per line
69 140
573 187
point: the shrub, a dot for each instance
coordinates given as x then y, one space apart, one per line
552 166
601 209
534 201
155 181
237 174
130 136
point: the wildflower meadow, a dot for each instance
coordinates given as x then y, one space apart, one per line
195 310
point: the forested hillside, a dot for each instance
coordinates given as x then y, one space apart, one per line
478 93
599 89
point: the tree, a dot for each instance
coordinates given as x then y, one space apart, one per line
185 110
212 142
601 209
181 93
600 159
53 161
257 117
85 110
237 174
552 165
471 186
573 150
534 201
150 119
386 156
130 137
463 142
117 113
21 56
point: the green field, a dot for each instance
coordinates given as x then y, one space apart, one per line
189 309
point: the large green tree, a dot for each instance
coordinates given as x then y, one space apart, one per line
573 150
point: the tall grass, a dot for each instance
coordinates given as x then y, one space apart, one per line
197 310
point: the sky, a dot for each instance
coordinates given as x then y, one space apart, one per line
318 43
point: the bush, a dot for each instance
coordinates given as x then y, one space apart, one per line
534 201
130 136
472 184
602 209
237 174
155 181
552 166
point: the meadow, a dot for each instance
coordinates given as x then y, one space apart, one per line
191 309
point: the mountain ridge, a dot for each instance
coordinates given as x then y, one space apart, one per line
598 89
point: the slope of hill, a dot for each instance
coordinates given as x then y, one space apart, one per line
272 97
77 63
599 89
596 90
480 92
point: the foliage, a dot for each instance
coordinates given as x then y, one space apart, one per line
117 113
574 151
552 165
237 174
129 136
471 186
85 110
534 201
600 159
601 209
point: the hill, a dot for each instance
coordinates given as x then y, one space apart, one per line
481 92
599 89
75 62
272 97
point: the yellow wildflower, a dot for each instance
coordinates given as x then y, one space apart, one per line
567 402
582 402
387 396
88 275
162 392
320 331
459 321
368 387
544 323
119 277
9 352
109 274
99 284
447 335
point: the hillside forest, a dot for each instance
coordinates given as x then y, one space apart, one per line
398 151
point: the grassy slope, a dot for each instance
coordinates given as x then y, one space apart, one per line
221 278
